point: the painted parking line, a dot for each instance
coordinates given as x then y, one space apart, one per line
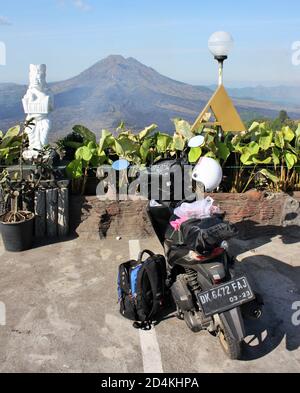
152 362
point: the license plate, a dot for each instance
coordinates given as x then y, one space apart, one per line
226 297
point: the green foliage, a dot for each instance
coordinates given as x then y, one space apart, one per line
142 148
282 120
74 169
274 155
86 134
146 132
262 157
16 184
10 144
194 154
88 155
163 143
183 128
283 116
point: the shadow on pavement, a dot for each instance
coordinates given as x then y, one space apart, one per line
39 243
279 285
78 207
258 235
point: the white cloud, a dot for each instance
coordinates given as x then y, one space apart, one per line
4 21
82 5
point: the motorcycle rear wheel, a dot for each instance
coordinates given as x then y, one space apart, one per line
231 346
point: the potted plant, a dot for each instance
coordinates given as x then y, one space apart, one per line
16 225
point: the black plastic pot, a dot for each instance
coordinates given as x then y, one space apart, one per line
91 186
17 236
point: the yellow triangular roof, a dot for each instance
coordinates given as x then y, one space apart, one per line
224 111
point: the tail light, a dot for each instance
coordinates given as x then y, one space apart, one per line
217 252
203 258
217 279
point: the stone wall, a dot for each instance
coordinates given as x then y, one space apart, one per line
93 219
262 207
261 213
256 213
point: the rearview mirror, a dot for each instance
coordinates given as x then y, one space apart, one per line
196 141
120 165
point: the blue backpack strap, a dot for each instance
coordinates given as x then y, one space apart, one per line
133 279
126 299
124 282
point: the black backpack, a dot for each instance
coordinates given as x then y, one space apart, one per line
141 289
206 234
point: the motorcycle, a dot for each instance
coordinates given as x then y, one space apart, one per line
206 291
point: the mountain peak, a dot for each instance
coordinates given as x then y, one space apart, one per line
113 59
114 68
119 88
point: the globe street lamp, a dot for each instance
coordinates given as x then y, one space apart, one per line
220 44
220 106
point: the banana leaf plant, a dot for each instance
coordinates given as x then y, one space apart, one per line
90 154
86 158
260 157
262 152
10 143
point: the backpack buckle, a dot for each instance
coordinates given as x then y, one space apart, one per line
146 325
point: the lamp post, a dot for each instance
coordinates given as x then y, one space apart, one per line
220 44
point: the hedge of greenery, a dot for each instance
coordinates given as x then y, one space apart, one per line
259 158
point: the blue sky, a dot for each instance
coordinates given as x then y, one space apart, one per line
168 35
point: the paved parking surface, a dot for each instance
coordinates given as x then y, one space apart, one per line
62 313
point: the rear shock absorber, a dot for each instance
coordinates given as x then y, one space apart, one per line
192 281
192 278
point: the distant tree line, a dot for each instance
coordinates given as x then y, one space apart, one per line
281 120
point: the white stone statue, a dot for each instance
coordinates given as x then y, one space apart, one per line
38 103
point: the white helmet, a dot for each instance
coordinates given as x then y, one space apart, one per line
208 172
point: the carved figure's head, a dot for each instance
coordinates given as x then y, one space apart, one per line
37 75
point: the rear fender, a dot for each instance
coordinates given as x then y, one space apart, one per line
213 271
234 324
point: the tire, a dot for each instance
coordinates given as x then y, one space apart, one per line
231 346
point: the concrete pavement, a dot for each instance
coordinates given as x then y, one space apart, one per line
62 313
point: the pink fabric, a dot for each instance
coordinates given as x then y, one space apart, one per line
177 224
